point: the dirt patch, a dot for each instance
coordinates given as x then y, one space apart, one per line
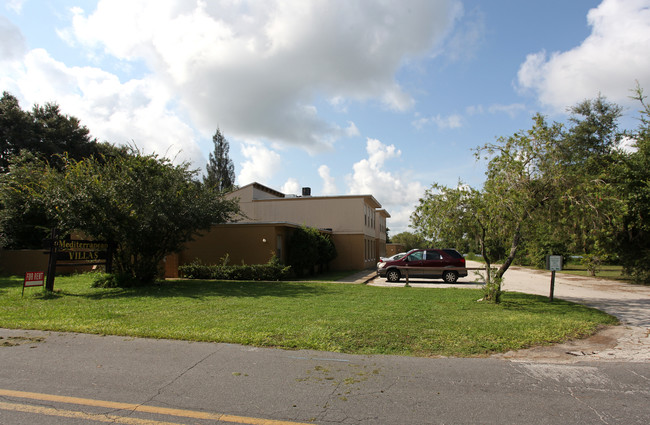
13 341
617 343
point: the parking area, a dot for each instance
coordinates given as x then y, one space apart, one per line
462 282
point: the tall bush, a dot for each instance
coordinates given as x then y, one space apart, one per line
308 248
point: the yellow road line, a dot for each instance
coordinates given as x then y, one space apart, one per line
49 411
146 409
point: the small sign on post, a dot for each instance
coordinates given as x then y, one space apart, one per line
33 279
554 264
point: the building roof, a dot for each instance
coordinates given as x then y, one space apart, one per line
263 188
281 196
384 213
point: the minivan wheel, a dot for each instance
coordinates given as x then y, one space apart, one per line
393 275
449 277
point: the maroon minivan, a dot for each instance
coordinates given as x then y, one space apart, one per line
421 259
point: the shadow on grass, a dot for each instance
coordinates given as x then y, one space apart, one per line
200 289
196 289
10 282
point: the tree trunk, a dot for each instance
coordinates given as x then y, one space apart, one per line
516 239
486 258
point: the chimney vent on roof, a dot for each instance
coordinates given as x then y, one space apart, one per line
306 191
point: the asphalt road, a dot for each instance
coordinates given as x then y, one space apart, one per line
61 378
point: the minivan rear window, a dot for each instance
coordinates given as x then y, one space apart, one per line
433 255
453 253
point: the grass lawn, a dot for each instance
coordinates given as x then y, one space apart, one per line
297 315
605 272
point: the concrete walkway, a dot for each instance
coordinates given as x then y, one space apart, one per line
364 276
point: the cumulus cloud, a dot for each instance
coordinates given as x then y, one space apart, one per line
12 42
395 190
291 187
329 186
260 165
352 130
138 112
256 68
609 61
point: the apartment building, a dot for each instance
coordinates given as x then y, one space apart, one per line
356 224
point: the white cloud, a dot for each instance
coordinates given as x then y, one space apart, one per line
329 186
12 42
291 187
443 122
139 112
352 130
468 37
255 68
609 61
395 190
627 144
260 165
15 5
511 110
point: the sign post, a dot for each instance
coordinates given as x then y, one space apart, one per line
51 263
553 263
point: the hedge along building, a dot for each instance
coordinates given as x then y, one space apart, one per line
356 224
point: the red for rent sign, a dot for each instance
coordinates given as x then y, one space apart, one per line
33 279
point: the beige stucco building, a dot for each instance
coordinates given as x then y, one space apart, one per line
356 223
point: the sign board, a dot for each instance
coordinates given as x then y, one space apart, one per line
554 263
78 253
33 279
81 255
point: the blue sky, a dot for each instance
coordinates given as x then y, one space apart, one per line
343 96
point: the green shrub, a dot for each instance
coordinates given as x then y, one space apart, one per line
113 280
272 270
308 249
593 262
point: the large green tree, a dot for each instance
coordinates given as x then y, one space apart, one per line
148 206
591 204
580 220
632 236
24 221
220 168
45 132
410 240
548 190
16 130
522 179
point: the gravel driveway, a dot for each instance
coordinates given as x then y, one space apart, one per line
629 303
